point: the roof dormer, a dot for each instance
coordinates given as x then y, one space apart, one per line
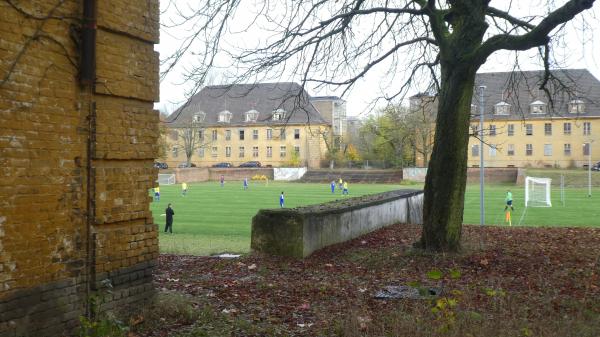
576 106
537 107
198 117
502 108
225 117
278 115
251 116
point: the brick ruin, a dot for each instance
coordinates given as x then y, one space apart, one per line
75 159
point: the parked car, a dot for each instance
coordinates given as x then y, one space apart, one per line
160 165
185 165
596 167
250 164
225 165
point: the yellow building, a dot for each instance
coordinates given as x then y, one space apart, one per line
524 127
272 123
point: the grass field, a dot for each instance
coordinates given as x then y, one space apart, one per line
213 219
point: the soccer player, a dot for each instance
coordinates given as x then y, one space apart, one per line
222 180
281 200
332 186
157 193
341 183
509 201
183 188
169 224
345 191
245 183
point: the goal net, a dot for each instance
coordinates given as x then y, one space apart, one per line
166 179
537 192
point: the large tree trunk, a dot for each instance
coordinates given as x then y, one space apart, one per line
447 170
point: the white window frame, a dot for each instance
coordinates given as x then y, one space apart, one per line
510 130
214 152
282 151
475 150
255 134
547 129
547 150
241 152
269 134
567 128
528 129
587 128
567 149
225 117
510 151
227 151
214 135
255 151
529 150
269 151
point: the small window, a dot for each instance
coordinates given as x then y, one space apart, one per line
198 118
174 135
548 129
586 149
225 116
228 151
475 150
296 133
278 115
511 129
255 134
547 150
474 110
227 134
587 128
201 152
502 108
269 151
474 129
241 155
537 107
251 116
175 151
255 151
576 106
493 150
511 150
297 150
567 128
528 149
214 152
282 151
214 135
282 134
241 132
529 129
492 130
201 135
567 148
269 134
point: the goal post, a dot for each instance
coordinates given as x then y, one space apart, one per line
166 179
537 192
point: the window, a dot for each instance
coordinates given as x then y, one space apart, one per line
282 151
227 151
224 116
269 151
296 133
255 134
214 152
529 129
567 128
511 129
251 116
474 129
201 152
537 107
241 152
475 150
255 151
241 134
492 150
297 150
474 109
587 128
201 135
528 149
269 134
282 134
567 148
198 118
547 149
586 149
548 129
175 151
227 134
511 150
576 106
214 135
502 108
492 130
174 135
278 115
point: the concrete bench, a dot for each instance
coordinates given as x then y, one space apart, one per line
298 232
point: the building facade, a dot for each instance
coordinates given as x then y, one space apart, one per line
273 123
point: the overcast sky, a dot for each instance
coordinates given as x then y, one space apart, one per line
583 51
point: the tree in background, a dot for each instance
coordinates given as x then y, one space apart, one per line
336 43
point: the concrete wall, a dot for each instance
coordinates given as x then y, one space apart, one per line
200 174
300 231
73 215
501 175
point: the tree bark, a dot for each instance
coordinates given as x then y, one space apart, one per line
447 170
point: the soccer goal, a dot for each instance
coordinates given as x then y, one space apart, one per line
166 179
537 192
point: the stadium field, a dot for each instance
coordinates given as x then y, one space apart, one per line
213 219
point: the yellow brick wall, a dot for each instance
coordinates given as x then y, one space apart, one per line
44 129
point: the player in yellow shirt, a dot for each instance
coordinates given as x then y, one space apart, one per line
157 193
183 189
345 191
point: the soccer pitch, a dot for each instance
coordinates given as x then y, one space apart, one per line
213 219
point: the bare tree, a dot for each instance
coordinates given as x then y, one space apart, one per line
336 43
188 134
420 120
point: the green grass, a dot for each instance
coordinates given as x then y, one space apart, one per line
213 219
